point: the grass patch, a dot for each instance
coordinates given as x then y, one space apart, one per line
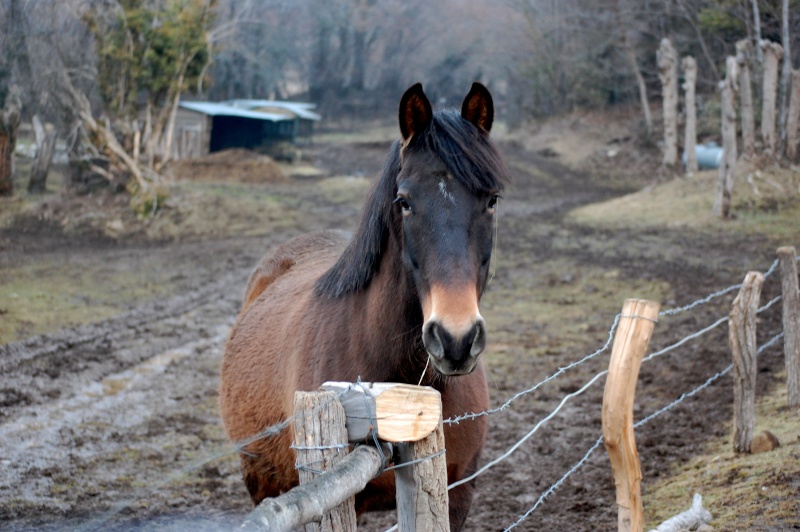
744 491
763 203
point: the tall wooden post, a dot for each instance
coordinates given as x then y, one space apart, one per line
422 502
793 119
743 54
742 338
630 343
727 170
320 440
791 321
668 73
773 52
690 136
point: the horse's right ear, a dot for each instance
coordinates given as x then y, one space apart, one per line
415 112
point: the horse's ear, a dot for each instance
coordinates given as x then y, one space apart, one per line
478 107
415 112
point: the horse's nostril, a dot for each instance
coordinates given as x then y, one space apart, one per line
478 339
432 339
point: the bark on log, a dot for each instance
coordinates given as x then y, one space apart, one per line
791 321
690 136
773 52
742 338
727 170
688 520
422 502
668 73
630 343
743 53
308 502
320 441
793 119
9 125
46 145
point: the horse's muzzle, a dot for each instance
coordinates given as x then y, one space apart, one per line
454 354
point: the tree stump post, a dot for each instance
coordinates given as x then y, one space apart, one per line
727 170
668 73
45 144
742 338
791 321
793 119
773 52
690 137
422 502
320 441
630 343
743 53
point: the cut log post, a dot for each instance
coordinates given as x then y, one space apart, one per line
793 120
667 60
773 52
690 132
308 502
743 54
320 441
742 338
688 520
422 502
635 327
791 321
727 170
397 412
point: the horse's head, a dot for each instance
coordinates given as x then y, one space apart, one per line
447 190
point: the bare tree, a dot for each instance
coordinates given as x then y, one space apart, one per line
786 71
743 52
793 118
690 138
772 55
46 144
668 72
10 109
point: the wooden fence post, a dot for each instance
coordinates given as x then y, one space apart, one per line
635 327
422 503
690 131
727 169
667 59
320 440
773 52
743 54
742 338
791 321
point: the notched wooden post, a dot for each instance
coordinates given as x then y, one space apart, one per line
791 321
742 338
320 441
630 343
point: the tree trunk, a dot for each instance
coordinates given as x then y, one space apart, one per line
793 119
9 125
772 54
743 51
690 138
727 169
634 64
46 144
668 73
757 29
786 72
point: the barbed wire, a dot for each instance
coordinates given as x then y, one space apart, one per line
638 424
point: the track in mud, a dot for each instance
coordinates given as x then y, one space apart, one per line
114 425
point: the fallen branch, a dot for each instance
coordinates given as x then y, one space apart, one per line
688 520
308 502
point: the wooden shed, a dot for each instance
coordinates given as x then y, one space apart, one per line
207 127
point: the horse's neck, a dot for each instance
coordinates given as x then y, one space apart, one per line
395 317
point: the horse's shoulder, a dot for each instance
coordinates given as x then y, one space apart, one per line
317 246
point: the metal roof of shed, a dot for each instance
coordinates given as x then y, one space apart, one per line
222 109
299 109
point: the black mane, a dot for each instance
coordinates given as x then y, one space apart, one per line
469 156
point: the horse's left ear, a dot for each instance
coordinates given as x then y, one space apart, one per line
478 107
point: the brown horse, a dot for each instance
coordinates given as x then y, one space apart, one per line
403 290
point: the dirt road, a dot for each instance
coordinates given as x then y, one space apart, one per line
114 425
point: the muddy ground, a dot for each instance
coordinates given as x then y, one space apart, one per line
114 425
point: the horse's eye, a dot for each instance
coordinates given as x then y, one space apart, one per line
403 204
492 202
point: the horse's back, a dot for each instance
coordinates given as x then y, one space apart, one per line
259 372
